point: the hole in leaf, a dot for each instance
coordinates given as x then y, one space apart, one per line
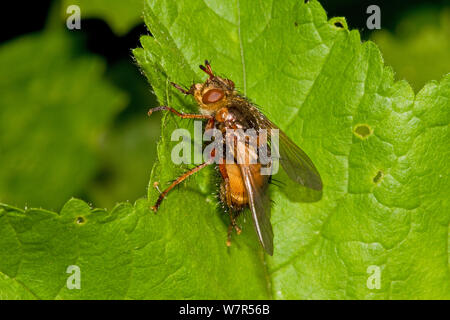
339 23
379 176
80 220
362 131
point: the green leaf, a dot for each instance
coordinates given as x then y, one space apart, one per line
419 50
121 15
382 153
55 104
120 255
125 174
384 202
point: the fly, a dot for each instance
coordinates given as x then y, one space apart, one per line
242 184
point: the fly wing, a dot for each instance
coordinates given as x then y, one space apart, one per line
294 160
256 187
259 203
297 164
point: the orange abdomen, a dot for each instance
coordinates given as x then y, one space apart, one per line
236 184
233 191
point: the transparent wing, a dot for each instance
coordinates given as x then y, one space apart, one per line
294 160
297 164
259 203
256 187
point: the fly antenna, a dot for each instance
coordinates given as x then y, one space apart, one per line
207 69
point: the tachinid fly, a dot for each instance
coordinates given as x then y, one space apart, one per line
242 183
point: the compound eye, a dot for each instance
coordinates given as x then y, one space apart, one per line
212 96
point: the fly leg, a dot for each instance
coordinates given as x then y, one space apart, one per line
179 114
181 89
176 182
231 226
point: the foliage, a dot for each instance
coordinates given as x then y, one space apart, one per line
120 15
381 150
55 104
419 50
